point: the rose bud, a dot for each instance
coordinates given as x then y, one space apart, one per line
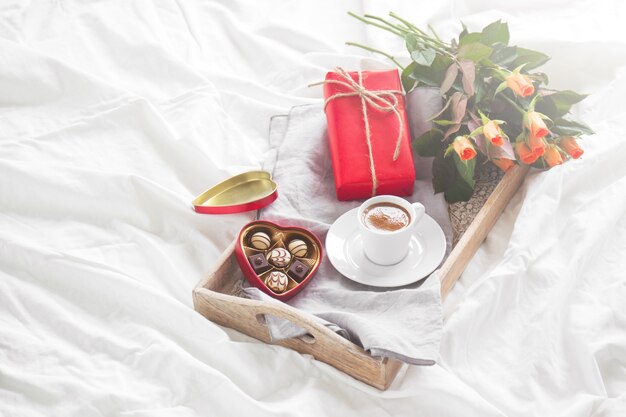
463 147
536 145
520 84
535 124
570 146
525 154
552 156
493 134
503 163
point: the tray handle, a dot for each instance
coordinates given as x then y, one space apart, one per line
320 342
313 328
243 312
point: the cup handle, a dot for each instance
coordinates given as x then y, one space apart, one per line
419 212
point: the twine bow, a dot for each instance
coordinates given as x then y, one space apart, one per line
382 100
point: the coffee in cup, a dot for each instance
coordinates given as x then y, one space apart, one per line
386 217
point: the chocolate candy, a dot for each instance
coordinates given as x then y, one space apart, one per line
298 270
277 281
298 248
260 241
279 257
258 262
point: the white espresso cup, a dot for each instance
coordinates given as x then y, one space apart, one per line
388 247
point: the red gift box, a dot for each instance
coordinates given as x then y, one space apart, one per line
361 170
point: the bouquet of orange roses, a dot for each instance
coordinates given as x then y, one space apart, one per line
497 108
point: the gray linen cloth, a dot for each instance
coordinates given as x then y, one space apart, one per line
404 323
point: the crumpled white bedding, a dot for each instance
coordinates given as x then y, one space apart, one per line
114 114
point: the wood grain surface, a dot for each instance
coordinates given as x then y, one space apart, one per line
217 298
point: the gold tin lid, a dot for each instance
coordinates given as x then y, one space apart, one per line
244 192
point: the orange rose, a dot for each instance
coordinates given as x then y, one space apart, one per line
503 163
536 145
570 146
552 157
535 124
463 147
520 84
525 154
493 133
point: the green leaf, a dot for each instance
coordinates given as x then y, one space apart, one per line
408 81
496 32
465 169
448 151
412 42
567 127
477 131
444 122
467 38
448 79
501 87
484 119
458 107
432 75
504 110
558 104
424 57
452 130
444 173
531 59
480 89
459 190
429 143
444 108
474 51
533 102
518 69
504 56
464 31
469 75
447 178
539 76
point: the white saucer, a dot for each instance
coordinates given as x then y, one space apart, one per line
344 248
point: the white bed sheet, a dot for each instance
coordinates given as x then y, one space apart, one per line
114 114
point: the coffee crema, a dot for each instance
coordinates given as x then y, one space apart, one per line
387 217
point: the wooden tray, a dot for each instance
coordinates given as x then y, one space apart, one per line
218 298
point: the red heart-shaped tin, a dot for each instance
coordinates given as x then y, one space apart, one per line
280 238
